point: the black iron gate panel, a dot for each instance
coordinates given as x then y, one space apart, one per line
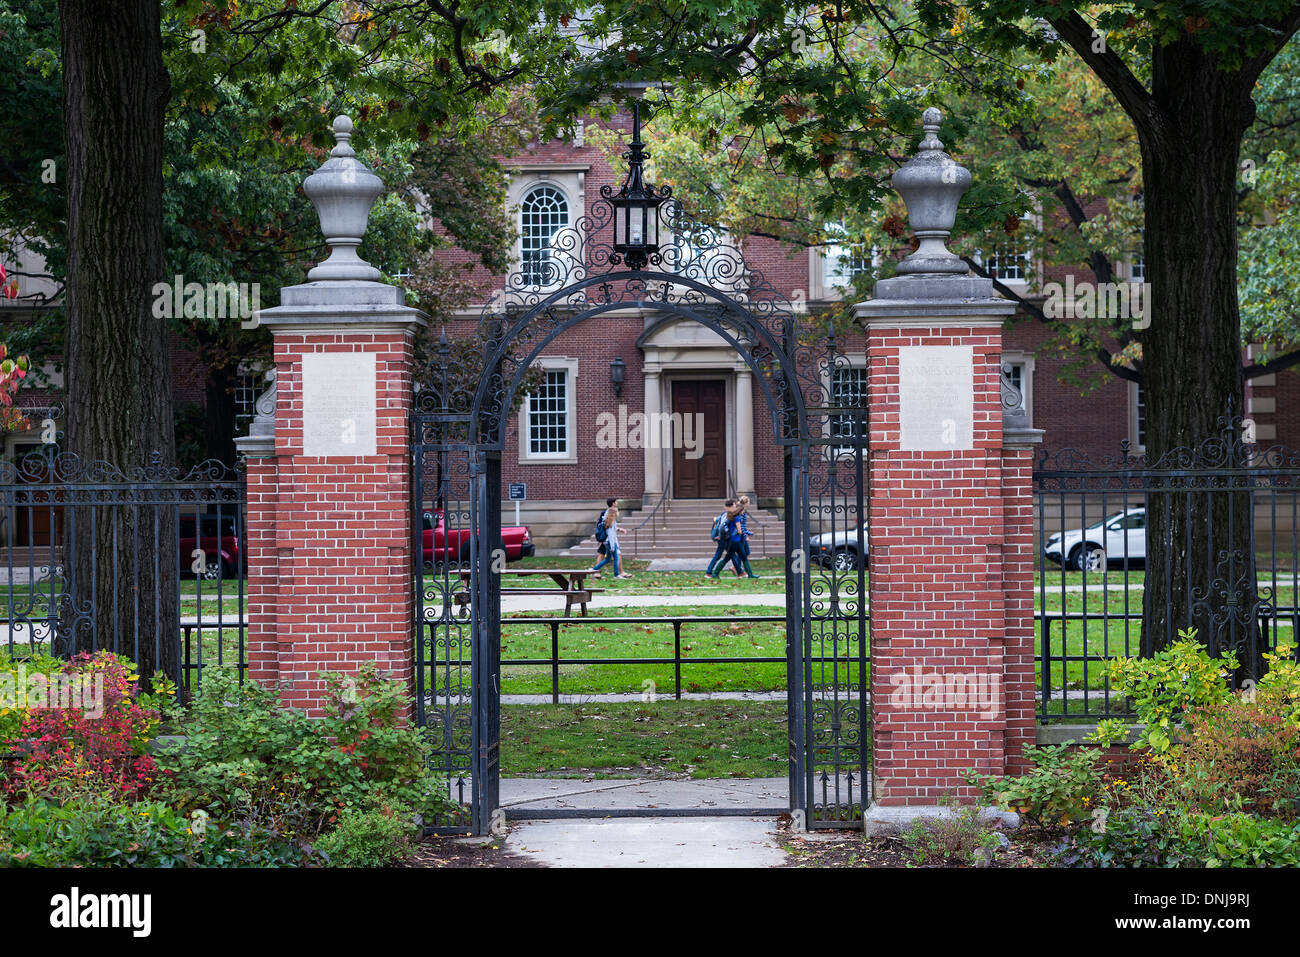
441 521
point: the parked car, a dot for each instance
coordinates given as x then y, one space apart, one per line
220 545
1115 538
838 549
439 545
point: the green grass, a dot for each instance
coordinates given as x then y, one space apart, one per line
734 636
718 739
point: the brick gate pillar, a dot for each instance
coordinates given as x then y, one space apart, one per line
948 657
329 468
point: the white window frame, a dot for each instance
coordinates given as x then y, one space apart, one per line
1025 361
822 282
570 180
1135 446
1032 264
570 456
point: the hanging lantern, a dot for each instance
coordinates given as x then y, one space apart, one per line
636 207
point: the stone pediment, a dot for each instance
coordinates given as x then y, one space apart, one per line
672 332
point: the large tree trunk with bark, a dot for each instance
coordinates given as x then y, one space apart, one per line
121 560
1200 545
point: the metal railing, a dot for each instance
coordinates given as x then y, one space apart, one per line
649 519
1221 523
148 563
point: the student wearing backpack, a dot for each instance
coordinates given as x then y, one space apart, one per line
719 535
608 524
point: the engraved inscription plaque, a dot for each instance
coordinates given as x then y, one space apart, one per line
338 403
936 393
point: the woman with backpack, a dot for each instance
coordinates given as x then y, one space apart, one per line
720 535
609 521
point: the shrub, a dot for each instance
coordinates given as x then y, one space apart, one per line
1236 756
369 837
1164 686
243 754
69 751
1142 836
1062 786
92 831
12 671
1278 692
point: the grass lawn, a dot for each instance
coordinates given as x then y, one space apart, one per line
717 739
733 636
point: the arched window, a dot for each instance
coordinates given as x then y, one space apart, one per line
543 212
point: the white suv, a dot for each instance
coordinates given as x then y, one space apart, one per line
1113 539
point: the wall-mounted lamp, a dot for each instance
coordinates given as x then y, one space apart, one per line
617 368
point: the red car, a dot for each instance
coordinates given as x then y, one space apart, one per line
439 545
220 558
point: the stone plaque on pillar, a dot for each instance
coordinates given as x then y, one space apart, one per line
936 398
338 403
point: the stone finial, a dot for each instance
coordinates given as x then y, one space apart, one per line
931 185
343 190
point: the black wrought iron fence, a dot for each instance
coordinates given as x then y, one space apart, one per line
1134 553
149 563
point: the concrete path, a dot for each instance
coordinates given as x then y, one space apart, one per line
650 842
521 603
645 840
521 795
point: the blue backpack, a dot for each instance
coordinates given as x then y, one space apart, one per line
602 533
719 526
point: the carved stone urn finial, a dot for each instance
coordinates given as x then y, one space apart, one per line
343 190
931 185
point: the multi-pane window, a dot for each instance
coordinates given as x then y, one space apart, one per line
543 212
849 397
1011 261
1140 418
248 387
548 416
1137 271
844 263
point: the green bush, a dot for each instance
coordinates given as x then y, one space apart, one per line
374 837
242 755
1141 836
98 832
1175 679
961 837
1061 787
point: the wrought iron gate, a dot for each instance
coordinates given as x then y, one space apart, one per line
817 397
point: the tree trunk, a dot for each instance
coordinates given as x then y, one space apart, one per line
119 402
1200 545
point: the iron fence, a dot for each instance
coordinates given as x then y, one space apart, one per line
1134 553
148 563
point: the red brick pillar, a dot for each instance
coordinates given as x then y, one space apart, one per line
947 623
329 510
1019 550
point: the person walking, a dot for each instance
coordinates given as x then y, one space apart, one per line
740 539
733 536
721 536
611 541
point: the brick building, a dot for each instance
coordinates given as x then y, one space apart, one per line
676 366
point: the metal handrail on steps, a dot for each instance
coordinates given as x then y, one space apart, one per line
649 519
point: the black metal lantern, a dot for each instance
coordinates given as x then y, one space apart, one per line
617 369
636 207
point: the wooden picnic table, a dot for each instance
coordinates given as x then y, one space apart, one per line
569 582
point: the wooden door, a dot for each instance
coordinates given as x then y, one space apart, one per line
700 441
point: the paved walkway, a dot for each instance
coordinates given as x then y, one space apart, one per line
645 840
518 603
650 842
